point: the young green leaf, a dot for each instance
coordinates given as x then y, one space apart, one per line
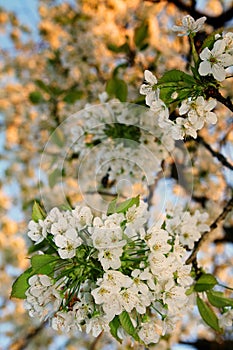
72 96
43 86
37 212
176 76
218 299
36 97
140 34
210 40
175 86
112 207
118 88
58 138
55 177
20 285
122 48
122 207
208 315
114 325
127 325
43 263
205 282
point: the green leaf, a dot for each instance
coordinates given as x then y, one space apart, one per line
175 82
218 299
205 282
114 326
40 264
176 76
54 177
140 34
43 264
37 212
208 315
112 207
210 40
190 290
123 132
118 88
43 86
122 207
122 48
127 325
58 138
72 96
20 285
36 97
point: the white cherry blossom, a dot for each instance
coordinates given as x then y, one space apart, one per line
214 61
150 332
147 89
110 258
36 232
189 25
67 243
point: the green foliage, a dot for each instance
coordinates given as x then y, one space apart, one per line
37 212
58 138
175 82
72 96
114 326
218 299
208 314
54 177
210 40
122 207
40 264
117 49
205 282
43 86
140 36
117 88
127 325
20 285
36 97
123 131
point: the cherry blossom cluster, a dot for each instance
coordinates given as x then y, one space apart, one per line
197 112
220 57
113 265
124 139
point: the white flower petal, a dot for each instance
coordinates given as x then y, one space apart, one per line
219 72
205 54
204 68
150 78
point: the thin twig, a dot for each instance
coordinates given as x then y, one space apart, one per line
213 92
95 342
22 343
193 257
214 153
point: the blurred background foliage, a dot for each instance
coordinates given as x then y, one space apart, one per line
63 56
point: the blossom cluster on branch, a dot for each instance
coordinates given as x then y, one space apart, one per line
112 272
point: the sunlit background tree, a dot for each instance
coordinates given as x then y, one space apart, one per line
62 57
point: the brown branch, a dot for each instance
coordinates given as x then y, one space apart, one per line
216 22
95 342
193 257
214 153
213 92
